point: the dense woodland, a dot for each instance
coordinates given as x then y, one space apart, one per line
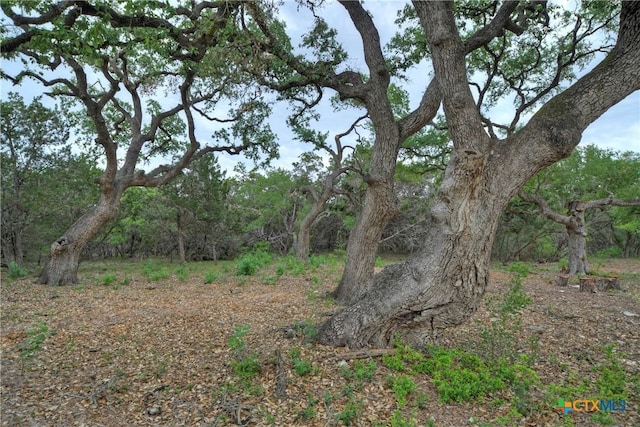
211 214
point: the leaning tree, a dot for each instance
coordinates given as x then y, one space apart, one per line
442 284
510 50
143 75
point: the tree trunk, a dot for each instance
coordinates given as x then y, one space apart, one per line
64 256
378 209
440 286
577 233
303 238
180 228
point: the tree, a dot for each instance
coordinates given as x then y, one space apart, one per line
31 134
120 58
329 186
591 179
441 285
267 207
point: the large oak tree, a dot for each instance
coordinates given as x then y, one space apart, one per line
118 61
442 284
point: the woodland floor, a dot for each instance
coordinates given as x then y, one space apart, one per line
125 348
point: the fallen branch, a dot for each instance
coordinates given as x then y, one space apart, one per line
363 354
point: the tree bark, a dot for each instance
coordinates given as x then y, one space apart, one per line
577 233
65 252
442 285
378 209
180 230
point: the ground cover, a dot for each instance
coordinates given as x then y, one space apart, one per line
156 343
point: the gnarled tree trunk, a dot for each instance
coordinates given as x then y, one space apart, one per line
577 237
65 253
442 285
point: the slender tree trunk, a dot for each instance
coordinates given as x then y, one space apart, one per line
64 256
180 226
577 233
302 239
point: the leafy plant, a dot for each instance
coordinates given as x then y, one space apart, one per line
181 273
35 338
107 279
349 414
210 278
402 386
154 272
15 271
301 367
515 299
245 366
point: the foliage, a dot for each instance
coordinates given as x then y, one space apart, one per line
245 365
402 386
35 338
590 173
15 271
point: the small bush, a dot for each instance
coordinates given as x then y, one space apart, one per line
15 271
515 299
402 387
181 273
210 278
35 338
107 279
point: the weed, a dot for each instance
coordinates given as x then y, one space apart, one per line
398 420
154 272
612 381
309 413
363 371
349 414
245 366
181 273
236 341
520 269
210 278
33 343
402 386
107 279
603 418
270 280
249 263
15 271
300 366
515 299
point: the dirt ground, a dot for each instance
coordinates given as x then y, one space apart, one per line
157 352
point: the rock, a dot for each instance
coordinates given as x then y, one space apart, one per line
630 314
153 411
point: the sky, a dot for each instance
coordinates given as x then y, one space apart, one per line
618 129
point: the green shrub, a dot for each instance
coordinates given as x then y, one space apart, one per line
402 387
210 278
35 338
515 299
107 279
154 272
181 273
15 271
520 269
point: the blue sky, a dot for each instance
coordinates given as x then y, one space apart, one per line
618 129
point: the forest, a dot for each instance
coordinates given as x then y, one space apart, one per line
422 259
